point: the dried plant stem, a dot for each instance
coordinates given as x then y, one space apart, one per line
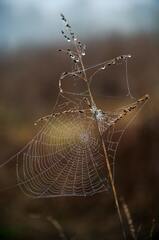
58 227
106 157
110 177
113 189
152 228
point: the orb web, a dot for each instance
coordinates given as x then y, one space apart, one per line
65 158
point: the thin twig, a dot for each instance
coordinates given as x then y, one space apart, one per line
152 228
59 228
129 219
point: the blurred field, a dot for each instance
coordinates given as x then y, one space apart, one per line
28 89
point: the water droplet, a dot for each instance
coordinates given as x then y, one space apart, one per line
103 68
72 56
68 26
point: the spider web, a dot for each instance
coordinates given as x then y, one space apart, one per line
66 157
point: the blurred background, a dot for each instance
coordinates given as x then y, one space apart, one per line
30 67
